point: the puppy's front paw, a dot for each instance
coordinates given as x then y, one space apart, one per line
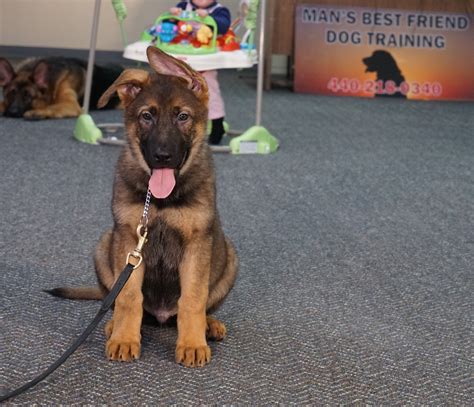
193 356
124 351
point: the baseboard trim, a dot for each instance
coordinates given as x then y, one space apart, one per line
27 52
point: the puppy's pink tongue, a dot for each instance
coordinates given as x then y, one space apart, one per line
162 182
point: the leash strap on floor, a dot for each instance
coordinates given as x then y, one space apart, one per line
106 304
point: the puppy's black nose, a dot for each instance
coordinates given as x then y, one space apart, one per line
161 156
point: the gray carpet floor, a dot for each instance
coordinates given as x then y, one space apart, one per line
356 243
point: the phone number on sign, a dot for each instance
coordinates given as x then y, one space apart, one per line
380 87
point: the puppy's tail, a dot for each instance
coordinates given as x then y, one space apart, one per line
77 293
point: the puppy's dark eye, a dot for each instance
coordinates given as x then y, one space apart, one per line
182 117
147 116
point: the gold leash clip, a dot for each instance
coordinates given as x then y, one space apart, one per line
137 252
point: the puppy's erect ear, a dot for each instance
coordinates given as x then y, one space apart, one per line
7 72
128 85
165 64
41 75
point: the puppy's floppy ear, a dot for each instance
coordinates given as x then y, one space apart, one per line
7 72
389 61
128 85
41 75
165 64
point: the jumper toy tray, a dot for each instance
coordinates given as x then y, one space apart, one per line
218 60
194 40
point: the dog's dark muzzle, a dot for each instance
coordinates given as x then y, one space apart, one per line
165 156
164 149
17 107
368 64
14 111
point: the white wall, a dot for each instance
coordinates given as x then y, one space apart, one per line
67 23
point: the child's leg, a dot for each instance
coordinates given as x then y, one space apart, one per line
216 107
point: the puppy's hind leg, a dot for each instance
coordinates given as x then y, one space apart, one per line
216 330
103 270
226 279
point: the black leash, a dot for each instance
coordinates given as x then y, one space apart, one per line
106 304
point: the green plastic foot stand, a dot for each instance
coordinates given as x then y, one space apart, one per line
256 140
86 130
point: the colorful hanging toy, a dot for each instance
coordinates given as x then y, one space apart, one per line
189 33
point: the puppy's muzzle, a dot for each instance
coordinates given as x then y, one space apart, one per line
167 156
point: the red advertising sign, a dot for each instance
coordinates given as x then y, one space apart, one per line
357 51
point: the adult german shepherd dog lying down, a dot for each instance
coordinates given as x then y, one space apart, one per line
51 88
188 266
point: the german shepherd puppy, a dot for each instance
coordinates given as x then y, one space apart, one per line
51 88
189 266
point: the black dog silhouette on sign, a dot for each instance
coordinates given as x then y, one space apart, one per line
384 65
